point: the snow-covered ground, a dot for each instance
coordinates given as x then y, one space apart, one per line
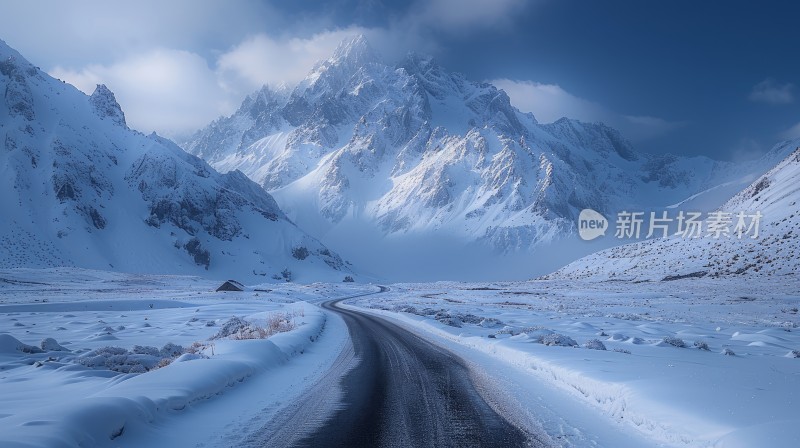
735 382
74 391
693 362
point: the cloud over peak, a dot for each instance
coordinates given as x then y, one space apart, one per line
176 92
791 133
461 16
770 91
549 102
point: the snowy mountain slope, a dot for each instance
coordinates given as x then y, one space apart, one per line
413 151
776 250
81 189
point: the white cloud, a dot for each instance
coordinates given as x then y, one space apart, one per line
176 92
642 127
261 59
465 16
791 133
549 102
80 32
746 149
169 91
770 92
175 66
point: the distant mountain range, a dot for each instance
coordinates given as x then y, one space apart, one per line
82 189
375 159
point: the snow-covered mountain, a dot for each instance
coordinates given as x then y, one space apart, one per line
411 152
774 252
82 189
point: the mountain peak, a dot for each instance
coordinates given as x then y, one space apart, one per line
105 105
355 50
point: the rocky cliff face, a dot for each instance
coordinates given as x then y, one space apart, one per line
105 105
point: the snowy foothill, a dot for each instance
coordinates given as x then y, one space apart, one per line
81 189
692 362
90 358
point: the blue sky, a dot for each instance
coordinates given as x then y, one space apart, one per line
688 77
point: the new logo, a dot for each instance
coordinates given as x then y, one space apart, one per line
591 224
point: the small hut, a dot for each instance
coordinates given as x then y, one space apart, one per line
231 285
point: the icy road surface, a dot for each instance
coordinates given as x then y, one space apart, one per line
405 391
388 388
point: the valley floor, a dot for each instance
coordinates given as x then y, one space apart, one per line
693 362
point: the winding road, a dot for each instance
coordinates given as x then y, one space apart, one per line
392 389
